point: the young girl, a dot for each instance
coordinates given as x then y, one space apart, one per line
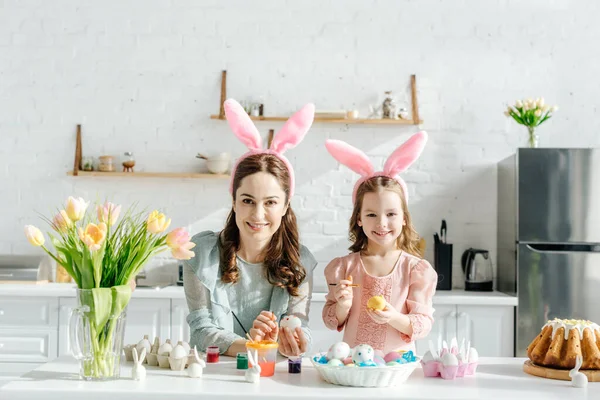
246 277
384 259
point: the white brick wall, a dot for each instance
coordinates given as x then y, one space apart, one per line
143 76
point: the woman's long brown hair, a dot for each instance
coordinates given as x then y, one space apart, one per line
282 257
407 241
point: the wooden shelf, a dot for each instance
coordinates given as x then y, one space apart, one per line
192 175
414 120
358 121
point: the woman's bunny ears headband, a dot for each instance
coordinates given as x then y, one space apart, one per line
292 133
398 162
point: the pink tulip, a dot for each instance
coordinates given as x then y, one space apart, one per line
177 238
108 213
61 221
183 252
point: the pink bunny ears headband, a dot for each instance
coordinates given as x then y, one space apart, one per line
292 133
398 162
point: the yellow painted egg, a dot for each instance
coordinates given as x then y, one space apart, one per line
376 303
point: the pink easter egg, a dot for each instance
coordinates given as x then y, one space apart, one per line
392 356
379 360
347 360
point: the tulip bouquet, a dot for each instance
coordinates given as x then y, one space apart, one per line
531 113
103 254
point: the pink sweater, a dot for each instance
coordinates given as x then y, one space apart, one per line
409 288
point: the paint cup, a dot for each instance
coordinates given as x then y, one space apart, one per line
267 355
294 365
242 361
212 354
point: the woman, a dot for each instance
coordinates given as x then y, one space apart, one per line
253 272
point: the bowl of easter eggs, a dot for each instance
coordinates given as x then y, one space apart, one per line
363 367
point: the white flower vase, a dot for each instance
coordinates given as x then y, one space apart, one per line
533 140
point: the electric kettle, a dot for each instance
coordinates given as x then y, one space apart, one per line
477 266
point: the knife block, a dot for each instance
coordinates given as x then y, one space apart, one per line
442 263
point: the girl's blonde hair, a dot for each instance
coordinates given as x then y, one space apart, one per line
407 241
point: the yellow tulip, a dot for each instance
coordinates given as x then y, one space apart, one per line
157 222
76 208
93 236
61 221
183 252
108 213
34 235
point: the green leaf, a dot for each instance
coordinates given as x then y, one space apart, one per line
102 306
120 298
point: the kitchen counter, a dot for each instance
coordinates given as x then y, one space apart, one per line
496 378
450 297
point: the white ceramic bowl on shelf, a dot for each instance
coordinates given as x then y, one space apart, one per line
383 376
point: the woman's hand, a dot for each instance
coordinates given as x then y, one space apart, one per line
292 343
264 327
385 316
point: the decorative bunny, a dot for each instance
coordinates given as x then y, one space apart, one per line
253 374
292 133
195 369
138 372
578 379
397 162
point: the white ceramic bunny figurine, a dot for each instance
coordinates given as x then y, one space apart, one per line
195 369
578 379
253 374
138 372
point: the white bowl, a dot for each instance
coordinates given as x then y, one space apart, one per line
382 376
217 166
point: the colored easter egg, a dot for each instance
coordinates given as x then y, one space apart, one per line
362 353
347 360
379 360
338 351
335 363
376 303
392 364
290 321
392 356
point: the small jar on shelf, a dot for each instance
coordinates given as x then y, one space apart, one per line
106 164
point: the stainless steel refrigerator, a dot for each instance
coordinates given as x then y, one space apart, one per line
549 237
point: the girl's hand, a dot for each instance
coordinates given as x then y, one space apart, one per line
384 316
292 343
264 327
344 294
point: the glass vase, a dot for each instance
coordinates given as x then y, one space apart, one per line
533 140
96 329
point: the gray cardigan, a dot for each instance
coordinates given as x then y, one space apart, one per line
210 319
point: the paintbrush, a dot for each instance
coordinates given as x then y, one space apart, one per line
350 285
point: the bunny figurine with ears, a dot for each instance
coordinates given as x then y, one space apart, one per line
138 372
292 133
253 374
402 158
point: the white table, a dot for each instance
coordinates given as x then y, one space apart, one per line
496 378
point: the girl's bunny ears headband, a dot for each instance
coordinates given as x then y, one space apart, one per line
288 137
398 162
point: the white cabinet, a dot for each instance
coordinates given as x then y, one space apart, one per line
490 329
28 329
180 330
150 317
